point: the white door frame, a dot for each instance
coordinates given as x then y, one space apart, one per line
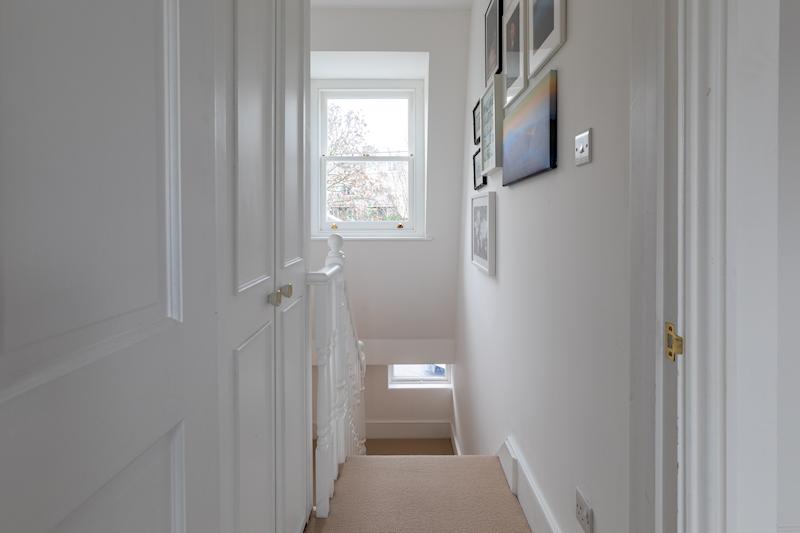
701 66
729 63
728 117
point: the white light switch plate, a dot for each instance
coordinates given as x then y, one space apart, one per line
583 148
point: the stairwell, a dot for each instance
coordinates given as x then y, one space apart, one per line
376 493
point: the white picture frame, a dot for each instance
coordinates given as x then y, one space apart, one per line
515 49
492 106
482 220
547 32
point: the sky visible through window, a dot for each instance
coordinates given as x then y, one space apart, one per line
383 128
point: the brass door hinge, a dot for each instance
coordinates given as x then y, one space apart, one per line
673 343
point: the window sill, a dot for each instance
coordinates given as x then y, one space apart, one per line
420 385
373 237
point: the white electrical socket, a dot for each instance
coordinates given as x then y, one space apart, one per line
583 512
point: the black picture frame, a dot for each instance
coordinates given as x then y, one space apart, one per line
492 39
476 124
478 179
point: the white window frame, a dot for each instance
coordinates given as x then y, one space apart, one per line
421 383
321 90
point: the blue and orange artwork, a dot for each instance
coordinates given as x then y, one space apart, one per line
529 132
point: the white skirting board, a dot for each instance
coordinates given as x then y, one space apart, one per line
523 485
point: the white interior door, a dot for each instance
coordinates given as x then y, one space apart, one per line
293 355
108 367
264 361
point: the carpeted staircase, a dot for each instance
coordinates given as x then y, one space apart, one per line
422 494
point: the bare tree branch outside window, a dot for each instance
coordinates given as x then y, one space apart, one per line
372 191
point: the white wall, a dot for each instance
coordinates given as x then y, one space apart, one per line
789 271
543 347
407 289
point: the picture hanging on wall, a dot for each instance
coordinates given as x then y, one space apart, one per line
492 126
492 30
478 179
514 49
476 123
547 31
483 233
529 132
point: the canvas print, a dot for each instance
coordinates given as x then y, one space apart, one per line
492 20
483 234
478 179
514 50
547 32
529 132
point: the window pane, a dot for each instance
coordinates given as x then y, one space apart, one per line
375 126
422 372
366 191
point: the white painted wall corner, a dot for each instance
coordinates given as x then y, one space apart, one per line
456 440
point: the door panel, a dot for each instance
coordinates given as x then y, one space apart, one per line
255 75
255 393
83 141
107 318
293 356
291 142
151 487
294 499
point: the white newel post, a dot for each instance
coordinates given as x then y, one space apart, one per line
341 365
336 257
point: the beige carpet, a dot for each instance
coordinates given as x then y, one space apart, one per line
422 494
409 447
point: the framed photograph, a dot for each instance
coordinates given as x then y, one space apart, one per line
547 31
492 29
514 49
483 216
492 126
478 179
529 132
476 123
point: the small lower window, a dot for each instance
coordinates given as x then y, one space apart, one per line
424 375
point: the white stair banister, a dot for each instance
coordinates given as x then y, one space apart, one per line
341 365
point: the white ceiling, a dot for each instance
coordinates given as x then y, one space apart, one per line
395 4
369 65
